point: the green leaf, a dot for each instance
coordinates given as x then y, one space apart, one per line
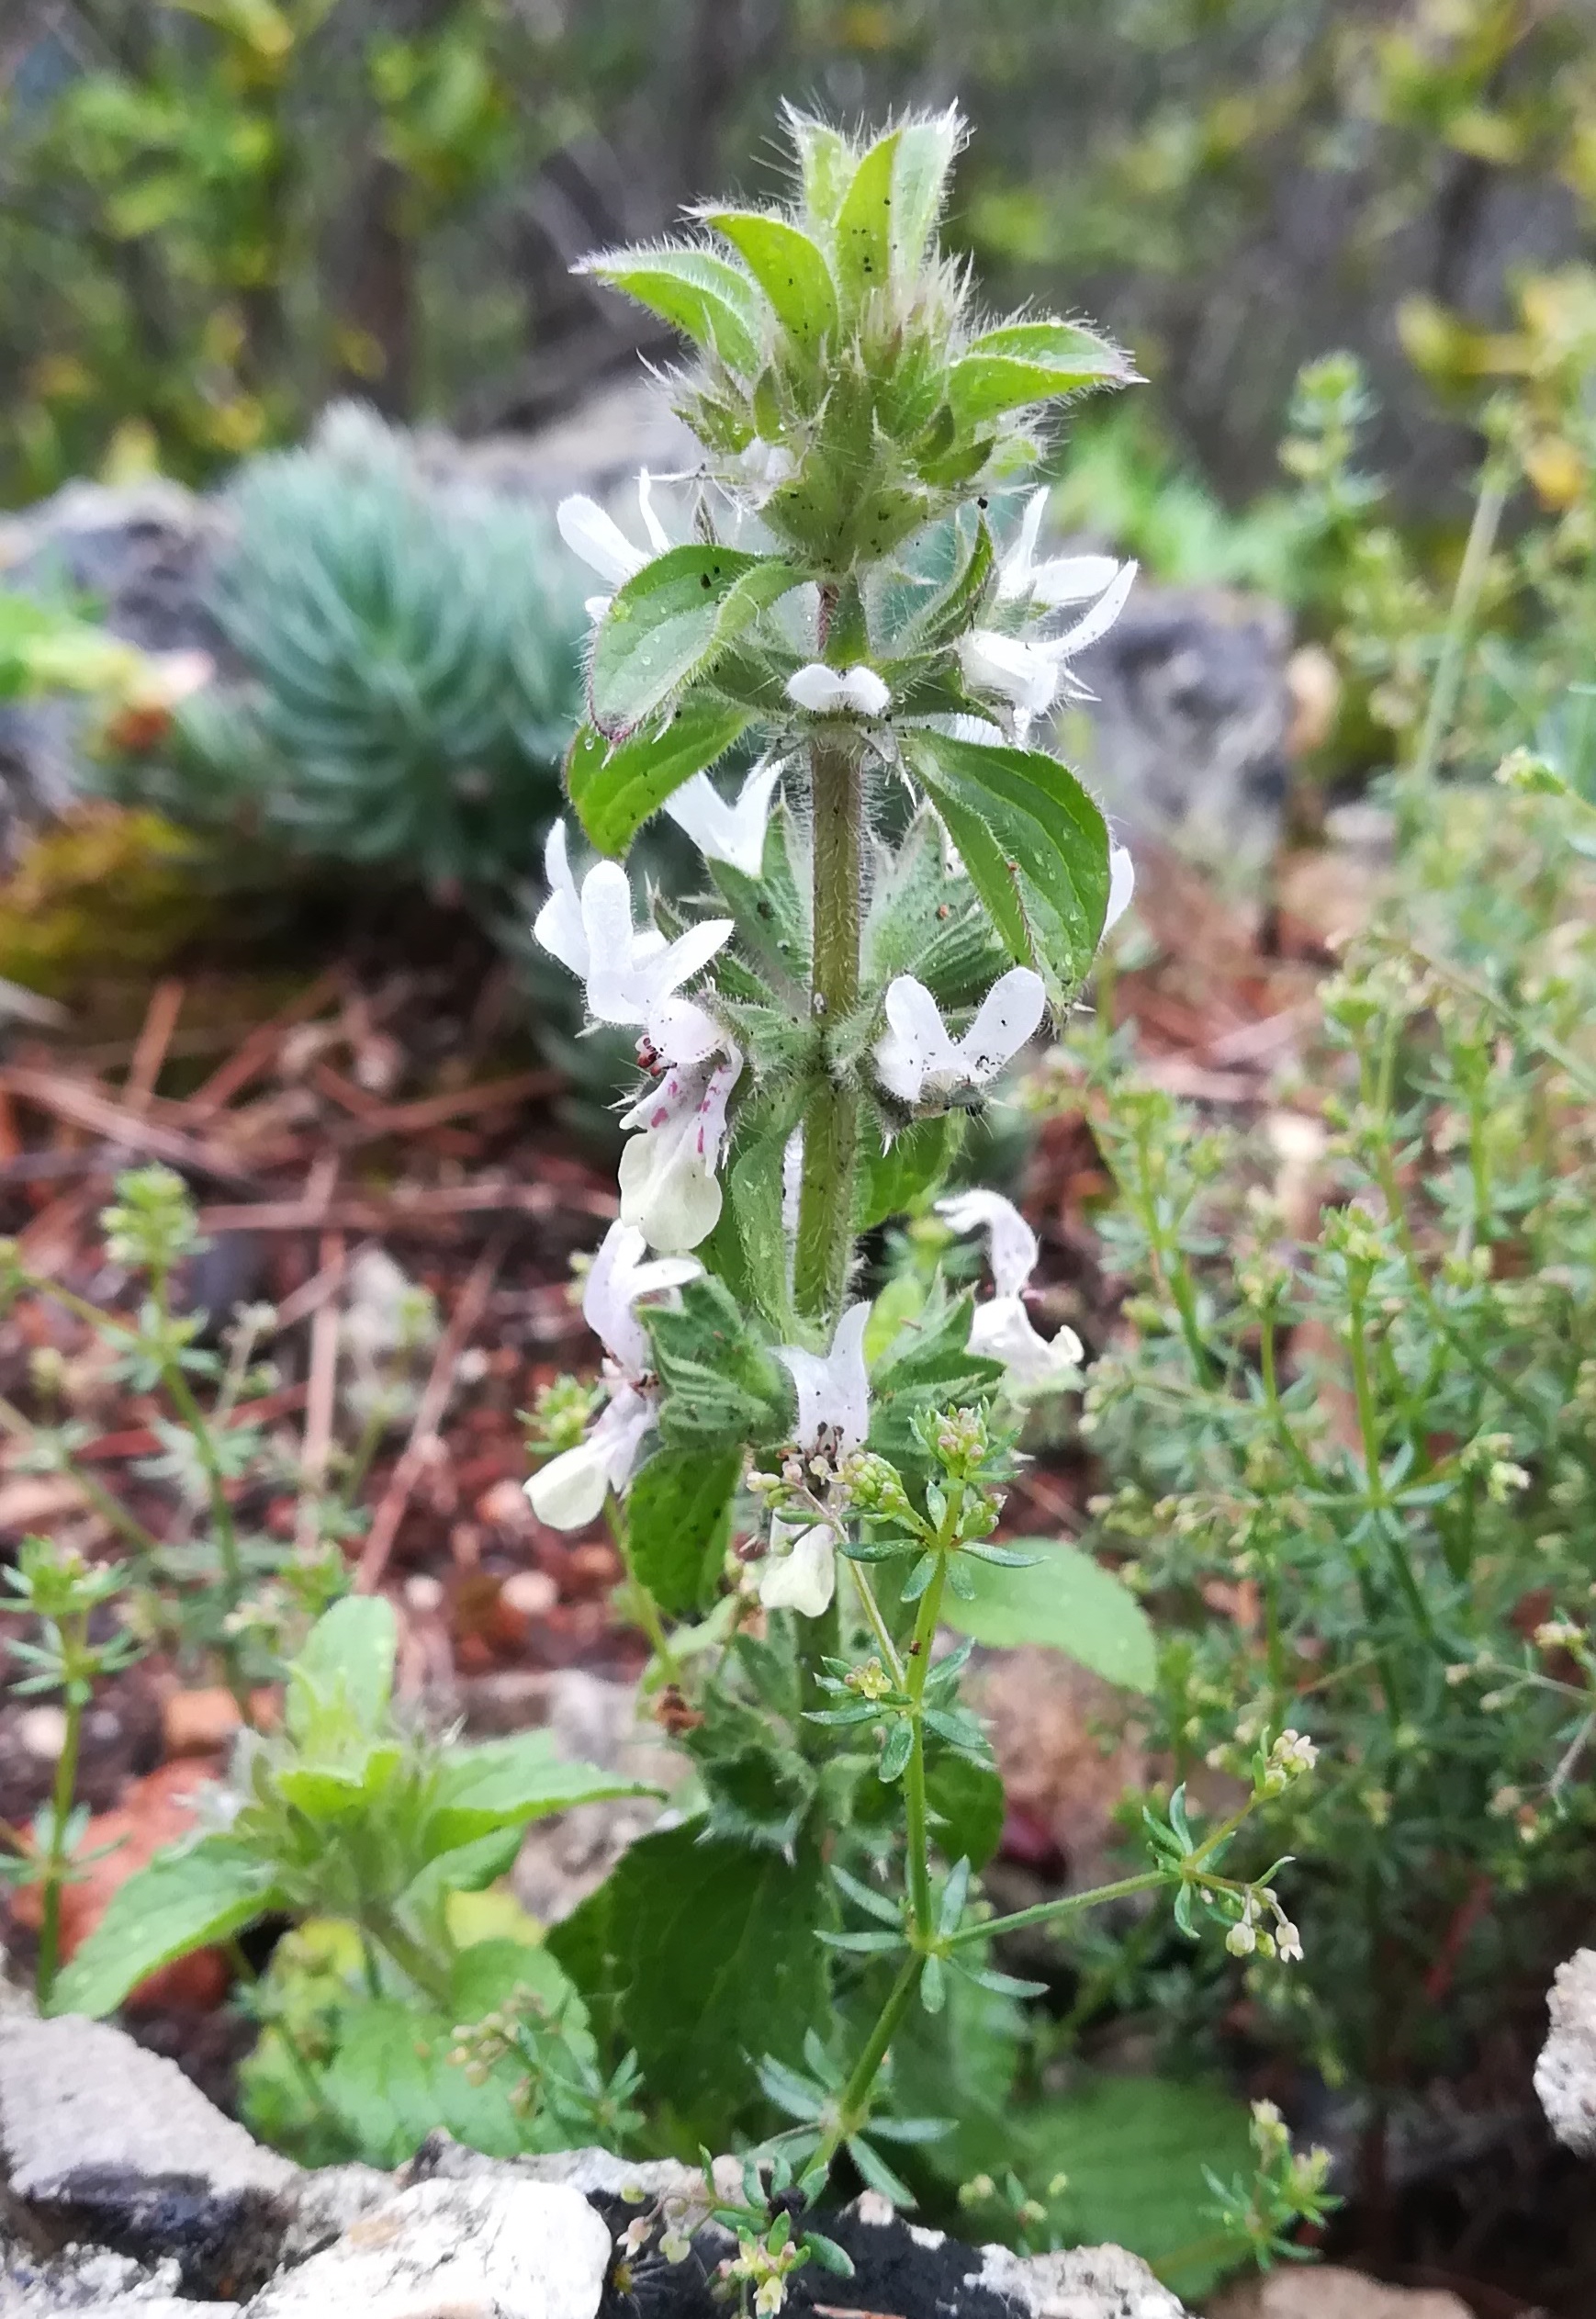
788 267
1066 1601
928 1366
1134 2151
183 1900
677 1516
925 154
670 621
345 1663
1028 363
390 2080
825 163
967 1803
1035 845
721 1384
505 1782
709 1949
899 1178
865 222
699 294
615 787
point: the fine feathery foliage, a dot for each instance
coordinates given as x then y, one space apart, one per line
408 670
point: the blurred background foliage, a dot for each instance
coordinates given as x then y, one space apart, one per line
215 213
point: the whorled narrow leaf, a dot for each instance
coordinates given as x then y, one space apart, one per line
827 160
790 269
670 621
700 295
1034 843
1025 363
615 786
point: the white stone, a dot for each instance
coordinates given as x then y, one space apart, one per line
483 2250
1566 2072
1083 2282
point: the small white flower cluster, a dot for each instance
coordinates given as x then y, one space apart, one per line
1250 1935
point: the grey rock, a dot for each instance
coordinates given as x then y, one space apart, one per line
92 2279
79 2098
493 2248
1185 736
1085 2282
1566 2071
594 2173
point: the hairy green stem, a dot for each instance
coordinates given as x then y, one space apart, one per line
409 1956
825 1243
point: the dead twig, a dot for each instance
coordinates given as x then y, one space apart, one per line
412 1208
154 1041
87 1107
434 1401
257 1050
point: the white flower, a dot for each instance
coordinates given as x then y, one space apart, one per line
833 1391
627 972
669 1189
830 692
1058 579
1121 886
801 1573
1001 1328
724 831
569 1491
1030 671
920 1057
594 536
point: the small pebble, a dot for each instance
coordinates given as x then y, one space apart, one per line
42 1732
531 1593
423 1595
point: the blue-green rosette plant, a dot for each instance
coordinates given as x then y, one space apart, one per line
904 888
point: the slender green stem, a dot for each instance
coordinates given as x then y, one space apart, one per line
918 1833
1050 1911
878 1625
1449 668
825 1241
56 1858
227 1546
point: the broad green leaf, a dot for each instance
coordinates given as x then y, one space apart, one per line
1134 2150
788 267
183 1900
615 786
347 1661
670 621
710 1950
1028 363
1066 1601
865 222
677 1513
390 2081
925 156
1035 846
898 1177
967 1799
504 1782
699 294
464 1870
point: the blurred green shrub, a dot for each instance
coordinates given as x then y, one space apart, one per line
411 669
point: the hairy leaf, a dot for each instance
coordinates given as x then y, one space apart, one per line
709 1950
670 621
721 1384
699 294
506 1781
614 788
183 1900
1027 363
788 267
1034 843
676 1511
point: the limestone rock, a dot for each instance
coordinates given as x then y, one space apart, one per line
1085 2282
485 2250
1566 2072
